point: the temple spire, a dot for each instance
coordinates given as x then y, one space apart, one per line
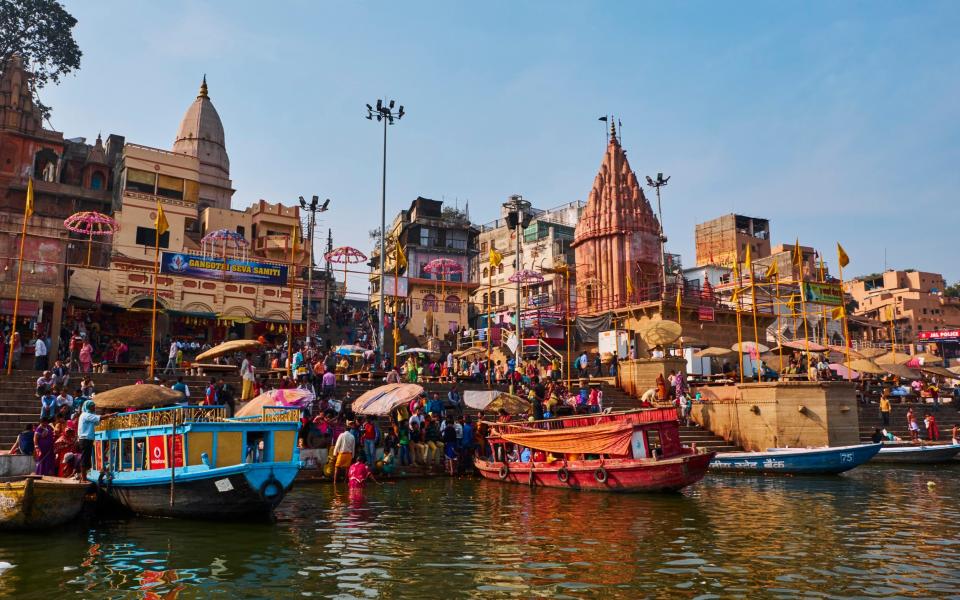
203 88
613 129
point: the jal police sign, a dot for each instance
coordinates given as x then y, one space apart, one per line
210 267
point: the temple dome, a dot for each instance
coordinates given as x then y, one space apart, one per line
201 133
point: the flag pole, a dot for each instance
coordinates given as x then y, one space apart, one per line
803 304
489 326
156 277
293 271
779 340
396 294
841 258
822 277
753 307
736 306
27 213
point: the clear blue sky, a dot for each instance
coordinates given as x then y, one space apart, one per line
835 120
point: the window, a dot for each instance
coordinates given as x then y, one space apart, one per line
483 247
501 296
429 303
241 230
424 236
170 187
452 304
486 272
96 181
486 299
147 236
141 181
500 269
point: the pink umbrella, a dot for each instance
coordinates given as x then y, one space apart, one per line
443 267
526 276
345 255
91 223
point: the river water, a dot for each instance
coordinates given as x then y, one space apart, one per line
876 532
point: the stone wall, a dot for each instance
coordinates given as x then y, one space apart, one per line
757 416
637 376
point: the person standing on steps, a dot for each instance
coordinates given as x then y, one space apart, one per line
885 407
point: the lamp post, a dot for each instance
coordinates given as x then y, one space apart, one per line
518 217
314 207
659 183
383 112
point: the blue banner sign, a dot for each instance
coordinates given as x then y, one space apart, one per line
209 267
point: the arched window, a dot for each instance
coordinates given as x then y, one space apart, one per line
486 300
486 273
45 165
501 296
430 303
500 269
589 294
96 181
452 304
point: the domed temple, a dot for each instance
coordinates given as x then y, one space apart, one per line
201 135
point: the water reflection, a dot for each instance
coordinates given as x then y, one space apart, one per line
875 532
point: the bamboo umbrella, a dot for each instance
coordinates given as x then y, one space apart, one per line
892 358
865 365
714 351
871 352
139 396
928 358
228 348
662 333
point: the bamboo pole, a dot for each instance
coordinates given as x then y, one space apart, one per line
293 273
736 306
777 296
756 332
803 304
490 327
156 277
846 328
27 212
396 294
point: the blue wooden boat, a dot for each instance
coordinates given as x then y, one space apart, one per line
194 462
924 454
796 461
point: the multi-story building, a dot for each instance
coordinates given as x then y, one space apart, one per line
69 176
429 303
544 243
223 272
913 301
724 240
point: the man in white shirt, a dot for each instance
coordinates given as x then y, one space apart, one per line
39 355
416 418
172 358
343 451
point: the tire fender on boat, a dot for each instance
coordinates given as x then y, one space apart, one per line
600 475
264 491
563 475
504 471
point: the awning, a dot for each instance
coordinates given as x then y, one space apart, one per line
197 315
26 308
605 438
381 401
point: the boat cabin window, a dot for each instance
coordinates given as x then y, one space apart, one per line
257 447
126 455
139 454
653 443
113 448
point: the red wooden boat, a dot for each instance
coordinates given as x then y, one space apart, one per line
632 451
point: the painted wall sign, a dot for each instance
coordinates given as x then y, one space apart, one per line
210 267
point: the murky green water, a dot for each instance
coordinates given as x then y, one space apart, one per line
875 532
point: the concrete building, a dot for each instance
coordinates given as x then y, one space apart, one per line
427 304
207 290
545 242
913 301
723 240
69 176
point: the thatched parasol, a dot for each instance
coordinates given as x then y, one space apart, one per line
892 358
871 352
901 371
509 402
865 365
228 348
140 396
714 351
661 333
928 358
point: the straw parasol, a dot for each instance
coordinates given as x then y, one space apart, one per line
803 345
228 348
714 351
901 371
139 396
748 347
892 358
470 352
661 333
843 350
940 371
865 365
416 351
928 358
509 402
693 342
871 352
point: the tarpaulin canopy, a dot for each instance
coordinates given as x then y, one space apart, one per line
292 397
381 401
588 328
605 438
803 345
479 399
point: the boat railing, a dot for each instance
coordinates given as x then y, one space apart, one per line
280 414
163 416
637 417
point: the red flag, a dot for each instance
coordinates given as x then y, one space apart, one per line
98 293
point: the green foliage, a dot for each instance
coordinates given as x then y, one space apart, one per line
41 32
952 291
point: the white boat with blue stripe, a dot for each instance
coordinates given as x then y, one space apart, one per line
796 461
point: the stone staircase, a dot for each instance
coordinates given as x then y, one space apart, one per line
704 438
869 418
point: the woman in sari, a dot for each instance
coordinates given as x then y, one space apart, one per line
65 444
359 473
43 449
661 388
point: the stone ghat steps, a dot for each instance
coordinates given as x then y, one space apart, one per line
869 419
704 438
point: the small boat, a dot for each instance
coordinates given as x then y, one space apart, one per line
194 462
796 461
632 451
917 454
35 502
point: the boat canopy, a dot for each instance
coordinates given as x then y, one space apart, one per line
604 438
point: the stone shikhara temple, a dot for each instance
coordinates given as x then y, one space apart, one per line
616 238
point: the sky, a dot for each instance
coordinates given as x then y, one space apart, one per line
838 121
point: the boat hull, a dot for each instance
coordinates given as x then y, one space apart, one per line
923 455
219 494
40 502
622 475
815 461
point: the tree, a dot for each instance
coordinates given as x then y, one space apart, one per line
952 291
41 33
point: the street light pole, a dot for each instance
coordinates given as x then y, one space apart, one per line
518 218
313 207
383 112
659 183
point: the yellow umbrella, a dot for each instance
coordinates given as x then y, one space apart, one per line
228 348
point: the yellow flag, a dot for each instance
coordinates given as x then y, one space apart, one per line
772 270
679 300
629 285
798 255
889 313
736 297
792 304
822 272
842 257
400 255
736 268
293 244
28 207
838 313
495 258
161 224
